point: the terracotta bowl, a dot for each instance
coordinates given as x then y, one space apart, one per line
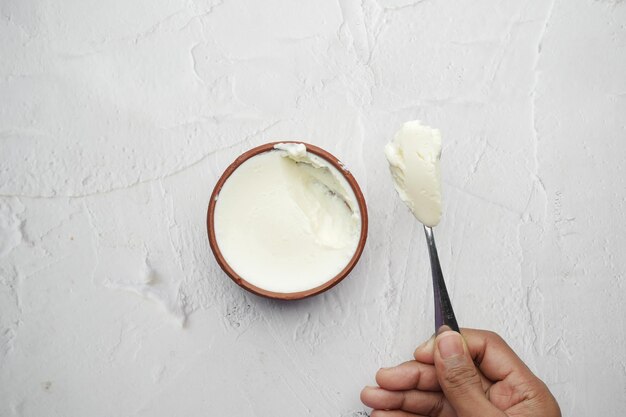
293 295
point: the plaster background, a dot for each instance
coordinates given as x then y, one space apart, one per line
117 117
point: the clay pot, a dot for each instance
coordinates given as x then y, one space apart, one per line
294 295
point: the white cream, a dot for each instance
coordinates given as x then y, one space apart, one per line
287 220
413 157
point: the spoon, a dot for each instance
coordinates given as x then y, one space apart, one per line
444 314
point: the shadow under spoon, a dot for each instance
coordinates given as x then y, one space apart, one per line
444 314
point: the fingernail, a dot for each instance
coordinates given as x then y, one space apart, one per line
450 344
442 329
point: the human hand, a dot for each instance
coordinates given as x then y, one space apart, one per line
477 375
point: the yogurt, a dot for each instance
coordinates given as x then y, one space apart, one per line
287 220
413 157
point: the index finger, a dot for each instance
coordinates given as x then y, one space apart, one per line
494 356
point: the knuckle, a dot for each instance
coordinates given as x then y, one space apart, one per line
494 338
403 401
492 335
437 407
460 376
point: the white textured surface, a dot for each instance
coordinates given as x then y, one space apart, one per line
117 117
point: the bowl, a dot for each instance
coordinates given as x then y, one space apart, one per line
332 160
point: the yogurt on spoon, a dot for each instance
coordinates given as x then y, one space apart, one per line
413 157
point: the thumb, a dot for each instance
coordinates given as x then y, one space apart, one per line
459 379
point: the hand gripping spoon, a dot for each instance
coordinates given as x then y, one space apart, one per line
444 314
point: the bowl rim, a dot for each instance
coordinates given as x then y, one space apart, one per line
327 156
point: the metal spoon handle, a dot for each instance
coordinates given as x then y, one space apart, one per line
444 314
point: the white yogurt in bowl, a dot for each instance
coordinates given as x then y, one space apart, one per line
287 221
